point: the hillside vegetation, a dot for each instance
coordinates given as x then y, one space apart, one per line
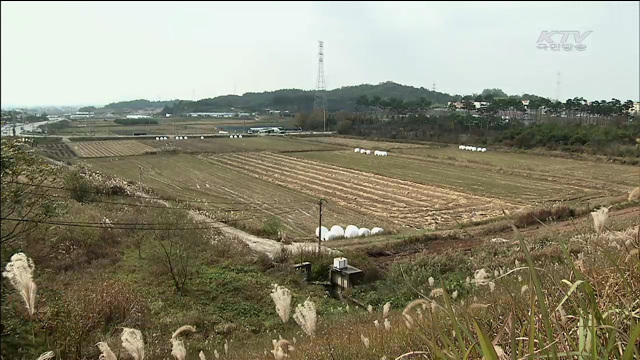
294 100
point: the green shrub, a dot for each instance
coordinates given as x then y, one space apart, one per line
80 189
271 227
135 121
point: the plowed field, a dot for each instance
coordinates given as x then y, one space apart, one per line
91 149
401 202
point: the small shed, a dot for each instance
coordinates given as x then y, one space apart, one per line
344 276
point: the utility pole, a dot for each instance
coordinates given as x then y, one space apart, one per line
140 177
320 223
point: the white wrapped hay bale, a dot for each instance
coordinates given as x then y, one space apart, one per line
364 232
240 136
185 138
384 153
324 230
376 230
473 148
338 230
362 151
357 150
201 137
230 136
461 147
351 231
368 152
331 236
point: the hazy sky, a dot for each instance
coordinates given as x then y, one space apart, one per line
96 53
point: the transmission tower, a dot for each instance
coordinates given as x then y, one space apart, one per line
320 99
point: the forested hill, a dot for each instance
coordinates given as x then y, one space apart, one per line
295 100
140 104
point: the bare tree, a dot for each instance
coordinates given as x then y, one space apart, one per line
179 247
24 203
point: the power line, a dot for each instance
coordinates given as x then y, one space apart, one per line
151 197
144 205
133 226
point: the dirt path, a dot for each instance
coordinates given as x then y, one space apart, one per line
258 244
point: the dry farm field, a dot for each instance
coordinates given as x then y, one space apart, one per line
416 187
56 150
91 149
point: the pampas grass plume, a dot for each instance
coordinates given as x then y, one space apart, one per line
385 309
182 330
216 354
370 309
19 271
600 217
282 298
48 355
178 351
365 341
431 281
105 351
201 356
132 342
305 316
387 325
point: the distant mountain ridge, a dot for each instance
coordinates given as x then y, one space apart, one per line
139 104
293 100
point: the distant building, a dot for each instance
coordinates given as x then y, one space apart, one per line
479 104
219 114
636 108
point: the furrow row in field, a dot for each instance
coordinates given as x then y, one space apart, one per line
311 189
354 182
372 203
397 212
110 148
415 194
423 193
321 181
218 190
455 205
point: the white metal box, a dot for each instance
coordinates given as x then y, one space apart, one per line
340 263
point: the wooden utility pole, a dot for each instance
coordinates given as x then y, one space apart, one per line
140 177
320 223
